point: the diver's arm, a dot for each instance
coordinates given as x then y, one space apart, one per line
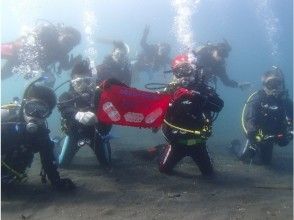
289 111
49 165
143 42
48 161
101 72
66 106
9 135
64 64
223 76
67 62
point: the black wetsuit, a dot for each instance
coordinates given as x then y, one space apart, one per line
40 56
69 104
18 147
271 115
110 69
192 111
149 60
212 68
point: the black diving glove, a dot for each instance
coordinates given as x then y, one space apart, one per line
146 30
244 85
284 139
64 185
74 60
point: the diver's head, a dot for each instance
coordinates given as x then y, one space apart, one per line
81 77
120 52
273 82
163 49
118 55
183 67
37 106
68 38
221 51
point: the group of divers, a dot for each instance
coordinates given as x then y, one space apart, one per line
267 117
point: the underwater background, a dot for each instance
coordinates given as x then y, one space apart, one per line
260 33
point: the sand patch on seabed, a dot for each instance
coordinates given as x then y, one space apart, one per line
134 189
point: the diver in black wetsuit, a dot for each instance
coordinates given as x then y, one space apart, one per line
153 58
188 121
268 118
116 66
212 60
26 133
77 107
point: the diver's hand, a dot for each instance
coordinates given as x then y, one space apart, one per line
146 30
73 60
64 185
284 139
244 85
86 118
254 137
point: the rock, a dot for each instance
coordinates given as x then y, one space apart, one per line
173 195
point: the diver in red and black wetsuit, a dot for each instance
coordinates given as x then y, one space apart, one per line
35 52
188 121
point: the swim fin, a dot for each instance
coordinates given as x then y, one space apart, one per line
148 154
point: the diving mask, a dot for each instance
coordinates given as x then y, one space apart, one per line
183 70
273 86
83 84
37 109
119 55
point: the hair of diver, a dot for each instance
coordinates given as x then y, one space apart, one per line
39 79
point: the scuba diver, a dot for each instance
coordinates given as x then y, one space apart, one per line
116 65
153 57
211 58
24 132
77 107
267 118
38 51
188 120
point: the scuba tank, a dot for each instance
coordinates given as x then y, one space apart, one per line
9 112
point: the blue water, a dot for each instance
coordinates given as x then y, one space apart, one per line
259 39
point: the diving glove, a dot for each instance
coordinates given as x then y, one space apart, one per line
64 185
255 137
284 139
244 85
86 118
